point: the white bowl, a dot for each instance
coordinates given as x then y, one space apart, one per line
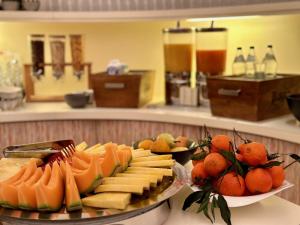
233 202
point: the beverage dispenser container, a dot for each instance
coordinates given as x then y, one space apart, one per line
178 54
211 50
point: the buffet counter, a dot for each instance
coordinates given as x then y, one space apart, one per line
37 122
283 128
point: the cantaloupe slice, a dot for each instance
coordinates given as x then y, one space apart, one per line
50 189
73 201
125 157
79 163
62 166
26 191
111 161
9 193
88 179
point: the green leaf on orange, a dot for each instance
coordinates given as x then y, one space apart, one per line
192 198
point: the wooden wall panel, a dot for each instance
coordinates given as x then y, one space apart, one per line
127 132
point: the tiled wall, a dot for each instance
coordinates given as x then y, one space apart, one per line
103 131
115 5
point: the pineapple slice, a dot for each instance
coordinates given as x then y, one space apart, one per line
127 188
151 178
158 176
158 163
108 200
80 147
127 180
152 158
164 172
138 154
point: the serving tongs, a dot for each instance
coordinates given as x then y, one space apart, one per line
42 150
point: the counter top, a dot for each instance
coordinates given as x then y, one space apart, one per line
271 211
284 128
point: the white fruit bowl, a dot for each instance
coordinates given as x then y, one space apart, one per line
233 202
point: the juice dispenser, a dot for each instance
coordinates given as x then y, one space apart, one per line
211 49
178 54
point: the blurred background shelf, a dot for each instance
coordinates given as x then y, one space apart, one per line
162 14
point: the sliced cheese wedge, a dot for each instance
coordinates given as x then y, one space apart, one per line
152 158
138 154
158 163
151 178
158 176
127 188
108 200
164 172
127 180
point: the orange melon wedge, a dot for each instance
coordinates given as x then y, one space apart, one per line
72 196
111 161
26 191
124 156
88 179
50 189
8 188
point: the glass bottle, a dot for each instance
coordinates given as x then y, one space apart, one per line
250 63
239 63
270 62
37 54
57 47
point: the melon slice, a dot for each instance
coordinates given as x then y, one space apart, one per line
26 191
88 179
8 189
73 201
108 200
111 161
50 189
79 163
62 167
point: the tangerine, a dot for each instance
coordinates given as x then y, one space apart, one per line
239 157
277 174
214 164
220 142
160 145
242 147
258 181
145 144
231 184
254 154
199 173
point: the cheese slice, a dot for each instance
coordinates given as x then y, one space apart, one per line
158 163
127 188
108 200
151 178
152 158
162 171
127 180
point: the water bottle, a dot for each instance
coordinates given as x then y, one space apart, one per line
250 63
270 63
239 63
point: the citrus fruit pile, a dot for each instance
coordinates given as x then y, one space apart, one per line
235 171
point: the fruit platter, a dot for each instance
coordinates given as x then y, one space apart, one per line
84 185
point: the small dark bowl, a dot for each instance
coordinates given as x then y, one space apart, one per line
294 104
77 100
181 157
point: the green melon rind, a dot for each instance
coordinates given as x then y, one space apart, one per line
7 205
92 187
46 208
74 206
26 207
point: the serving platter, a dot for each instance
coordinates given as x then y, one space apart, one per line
240 201
168 188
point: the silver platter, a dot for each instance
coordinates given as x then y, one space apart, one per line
100 216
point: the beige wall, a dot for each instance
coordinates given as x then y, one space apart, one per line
139 44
